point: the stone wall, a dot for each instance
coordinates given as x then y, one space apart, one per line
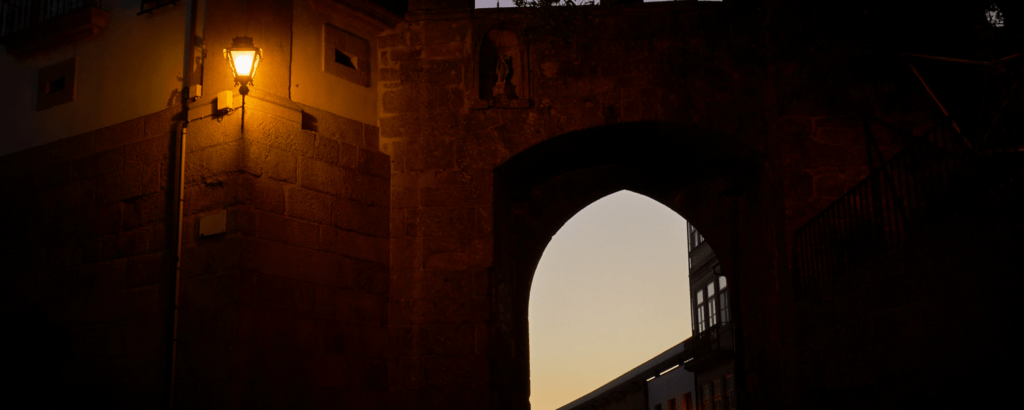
445 149
747 133
925 318
399 277
288 308
89 266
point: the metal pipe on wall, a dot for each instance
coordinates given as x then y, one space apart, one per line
189 59
177 258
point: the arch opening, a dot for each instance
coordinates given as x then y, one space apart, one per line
703 176
610 292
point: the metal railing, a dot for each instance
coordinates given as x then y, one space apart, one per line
18 15
932 178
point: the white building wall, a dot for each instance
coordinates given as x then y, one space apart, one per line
131 68
672 385
310 83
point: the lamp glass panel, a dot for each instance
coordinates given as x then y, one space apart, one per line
256 63
244 62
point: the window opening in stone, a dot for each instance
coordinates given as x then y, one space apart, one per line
610 292
346 55
55 85
343 59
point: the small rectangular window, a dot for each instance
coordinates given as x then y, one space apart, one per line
712 313
56 84
724 297
346 55
344 59
700 319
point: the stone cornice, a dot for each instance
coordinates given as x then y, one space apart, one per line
373 15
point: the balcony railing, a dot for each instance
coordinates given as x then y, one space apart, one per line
18 15
932 178
29 27
705 348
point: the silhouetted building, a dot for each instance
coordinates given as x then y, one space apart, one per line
671 389
711 349
660 383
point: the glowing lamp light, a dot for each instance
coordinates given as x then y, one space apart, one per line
244 58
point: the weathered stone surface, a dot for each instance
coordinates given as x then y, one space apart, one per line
290 231
309 205
278 164
431 72
148 151
144 211
101 163
420 98
373 267
120 134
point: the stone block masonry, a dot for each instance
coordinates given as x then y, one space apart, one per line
289 306
442 309
88 267
292 298
390 267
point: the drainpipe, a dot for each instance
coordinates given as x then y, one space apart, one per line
190 24
177 257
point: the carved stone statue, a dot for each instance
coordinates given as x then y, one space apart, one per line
504 66
503 87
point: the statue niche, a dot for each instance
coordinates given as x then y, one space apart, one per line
502 77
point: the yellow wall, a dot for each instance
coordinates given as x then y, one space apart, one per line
310 85
268 22
133 67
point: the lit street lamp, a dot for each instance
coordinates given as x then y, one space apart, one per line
244 58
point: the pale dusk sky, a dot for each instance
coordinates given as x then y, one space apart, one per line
611 291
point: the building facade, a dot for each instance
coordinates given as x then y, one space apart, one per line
712 347
660 383
361 228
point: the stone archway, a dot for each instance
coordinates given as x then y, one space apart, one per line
708 178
